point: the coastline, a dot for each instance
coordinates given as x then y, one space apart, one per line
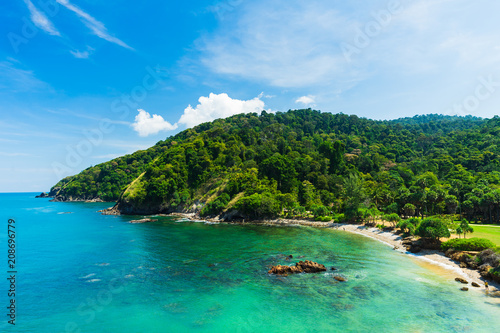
435 258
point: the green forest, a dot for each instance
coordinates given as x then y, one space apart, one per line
308 163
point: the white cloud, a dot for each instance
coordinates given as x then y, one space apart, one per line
306 100
145 124
218 106
97 27
40 20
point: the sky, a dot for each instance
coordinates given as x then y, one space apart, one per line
82 82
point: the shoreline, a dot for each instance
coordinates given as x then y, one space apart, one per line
433 257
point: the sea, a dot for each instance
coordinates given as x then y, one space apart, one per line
76 270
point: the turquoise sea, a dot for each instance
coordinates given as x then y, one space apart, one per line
80 271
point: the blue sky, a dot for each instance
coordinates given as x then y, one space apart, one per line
82 82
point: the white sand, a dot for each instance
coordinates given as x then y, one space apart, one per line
433 257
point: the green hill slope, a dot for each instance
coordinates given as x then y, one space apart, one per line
253 166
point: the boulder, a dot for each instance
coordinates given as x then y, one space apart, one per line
340 278
464 289
474 284
300 267
459 279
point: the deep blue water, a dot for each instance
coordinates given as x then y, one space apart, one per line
80 271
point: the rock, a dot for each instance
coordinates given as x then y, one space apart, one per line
340 278
333 269
474 284
449 252
464 289
300 267
414 249
290 256
42 195
463 265
143 221
461 280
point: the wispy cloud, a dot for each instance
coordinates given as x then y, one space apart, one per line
82 54
40 20
15 79
13 154
94 25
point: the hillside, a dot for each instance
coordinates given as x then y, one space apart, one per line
251 166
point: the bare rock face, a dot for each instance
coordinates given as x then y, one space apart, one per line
300 267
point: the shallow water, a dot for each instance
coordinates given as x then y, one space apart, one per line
92 273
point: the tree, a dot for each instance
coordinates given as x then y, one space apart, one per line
433 228
466 228
353 195
409 209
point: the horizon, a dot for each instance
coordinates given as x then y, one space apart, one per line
108 79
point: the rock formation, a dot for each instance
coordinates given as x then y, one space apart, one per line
300 267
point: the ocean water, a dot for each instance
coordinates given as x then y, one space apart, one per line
80 271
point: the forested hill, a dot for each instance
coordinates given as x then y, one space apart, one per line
253 166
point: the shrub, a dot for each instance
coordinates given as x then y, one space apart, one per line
407 227
320 210
393 218
471 244
324 218
217 206
432 228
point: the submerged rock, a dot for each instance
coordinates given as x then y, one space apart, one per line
459 279
340 278
465 289
300 267
143 221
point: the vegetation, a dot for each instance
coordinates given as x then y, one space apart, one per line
432 228
308 163
472 244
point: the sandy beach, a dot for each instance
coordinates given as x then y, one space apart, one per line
436 258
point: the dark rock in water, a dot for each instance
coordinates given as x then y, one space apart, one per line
42 195
300 267
461 280
290 256
333 269
143 221
465 289
474 284
340 278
